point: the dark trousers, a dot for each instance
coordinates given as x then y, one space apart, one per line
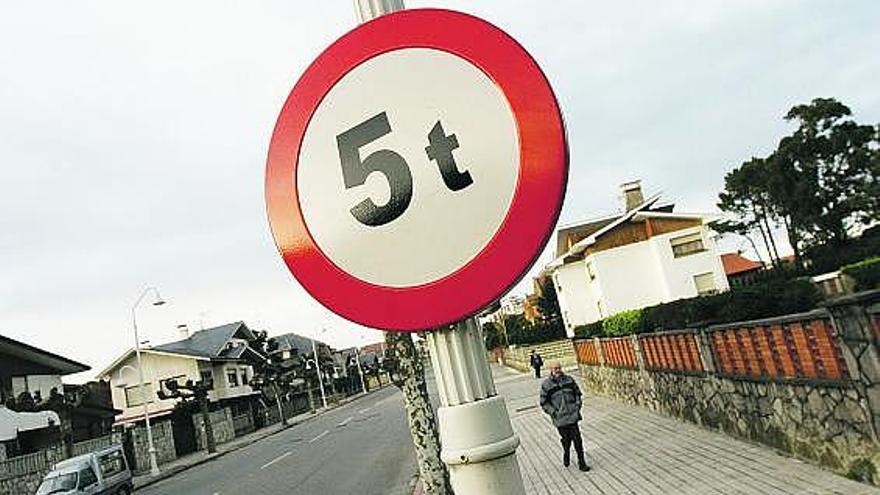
571 434
537 371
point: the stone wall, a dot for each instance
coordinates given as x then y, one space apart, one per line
518 357
163 440
805 384
221 421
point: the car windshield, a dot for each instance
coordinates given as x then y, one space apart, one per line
58 483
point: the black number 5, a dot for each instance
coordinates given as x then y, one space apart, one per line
355 171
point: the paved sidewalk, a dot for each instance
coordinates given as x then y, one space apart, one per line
635 451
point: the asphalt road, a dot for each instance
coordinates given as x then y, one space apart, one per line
363 448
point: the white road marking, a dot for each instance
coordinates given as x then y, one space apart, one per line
319 436
365 410
345 421
273 461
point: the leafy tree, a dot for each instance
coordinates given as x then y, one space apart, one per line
748 199
820 182
492 335
824 175
548 302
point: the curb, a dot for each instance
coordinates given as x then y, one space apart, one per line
293 422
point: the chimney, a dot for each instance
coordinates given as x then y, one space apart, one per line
183 330
632 194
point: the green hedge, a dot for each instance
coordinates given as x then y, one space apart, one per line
773 298
866 273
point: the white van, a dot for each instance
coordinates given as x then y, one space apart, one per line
105 471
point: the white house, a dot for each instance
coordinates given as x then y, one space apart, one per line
643 256
219 354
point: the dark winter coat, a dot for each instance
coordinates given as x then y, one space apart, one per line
536 360
561 399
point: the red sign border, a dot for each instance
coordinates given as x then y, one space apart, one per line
534 209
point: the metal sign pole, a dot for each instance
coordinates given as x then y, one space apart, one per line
478 443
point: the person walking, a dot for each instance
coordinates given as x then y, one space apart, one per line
536 361
561 400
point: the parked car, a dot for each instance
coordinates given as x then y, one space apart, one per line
103 472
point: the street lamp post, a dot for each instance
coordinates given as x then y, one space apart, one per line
318 369
154 465
357 355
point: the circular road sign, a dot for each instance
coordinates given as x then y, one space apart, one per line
416 170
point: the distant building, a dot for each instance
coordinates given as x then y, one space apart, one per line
220 355
530 305
513 305
24 368
739 269
645 255
27 372
291 351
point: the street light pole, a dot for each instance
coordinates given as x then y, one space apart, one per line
154 465
357 355
317 362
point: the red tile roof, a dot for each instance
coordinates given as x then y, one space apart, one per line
735 263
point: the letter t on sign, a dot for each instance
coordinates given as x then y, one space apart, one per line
440 150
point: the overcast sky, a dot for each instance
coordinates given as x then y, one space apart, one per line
133 137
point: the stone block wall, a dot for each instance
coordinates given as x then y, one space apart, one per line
560 350
23 474
163 440
806 384
221 421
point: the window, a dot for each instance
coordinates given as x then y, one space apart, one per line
687 245
705 283
133 395
232 377
206 376
590 272
111 463
87 478
244 380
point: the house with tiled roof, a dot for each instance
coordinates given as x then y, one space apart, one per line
220 355
646 254
739 269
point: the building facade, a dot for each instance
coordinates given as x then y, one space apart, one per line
644 256
220 355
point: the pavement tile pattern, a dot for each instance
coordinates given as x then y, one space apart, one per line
635 451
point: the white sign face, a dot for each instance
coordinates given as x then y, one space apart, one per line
408 167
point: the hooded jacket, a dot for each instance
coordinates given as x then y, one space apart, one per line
561 399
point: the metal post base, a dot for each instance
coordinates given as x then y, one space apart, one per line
479 445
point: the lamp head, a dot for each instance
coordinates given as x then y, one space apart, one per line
158 301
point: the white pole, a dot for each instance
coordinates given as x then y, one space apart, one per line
357 355
479 445
154 464
320 372
368 10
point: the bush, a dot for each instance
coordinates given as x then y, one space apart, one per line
589 330
623 323
866 273
521 332
773 298
492 336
